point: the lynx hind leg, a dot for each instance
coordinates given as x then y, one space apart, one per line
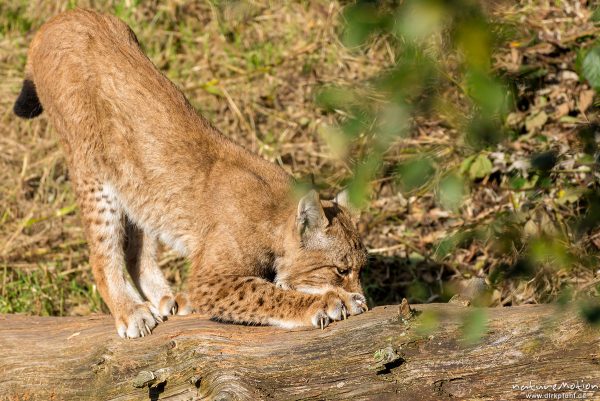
102 214
178 304
142 264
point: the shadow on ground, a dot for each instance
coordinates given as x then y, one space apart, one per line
388 279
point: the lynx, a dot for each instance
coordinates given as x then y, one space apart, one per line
146 167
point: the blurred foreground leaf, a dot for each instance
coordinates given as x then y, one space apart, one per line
544 161
452 191
591 67
428 322
591 312
415 173
362 20
474 326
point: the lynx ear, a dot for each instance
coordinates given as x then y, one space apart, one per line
343 199
310 213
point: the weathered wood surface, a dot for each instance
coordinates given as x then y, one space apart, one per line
190 358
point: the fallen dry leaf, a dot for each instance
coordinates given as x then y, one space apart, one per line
585 99
534 123
561 110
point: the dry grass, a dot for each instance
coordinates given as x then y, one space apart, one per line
253 68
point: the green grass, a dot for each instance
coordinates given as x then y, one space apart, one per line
14 18
48 292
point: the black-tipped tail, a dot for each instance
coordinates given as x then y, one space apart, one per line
28 104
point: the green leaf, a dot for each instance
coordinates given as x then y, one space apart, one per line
474 38
536 122
362 20
487 92
570 120
517 183
336 140
451 191
474 326
451 242
4 217
596 15
331 98
66 210
590 67
570 195
415 173
427 323
466 164
480 167
484 131
420 19
544 161
34 220
591 312
550 251
358 187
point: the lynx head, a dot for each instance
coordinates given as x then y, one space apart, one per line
324 250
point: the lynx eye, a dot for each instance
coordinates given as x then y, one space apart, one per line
342 271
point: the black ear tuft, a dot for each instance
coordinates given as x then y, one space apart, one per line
28 104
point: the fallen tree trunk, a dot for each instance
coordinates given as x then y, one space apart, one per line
382 355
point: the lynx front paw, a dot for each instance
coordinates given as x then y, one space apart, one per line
336 305
354 302
175 305
138 321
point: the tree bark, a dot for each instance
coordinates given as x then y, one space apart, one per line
384 354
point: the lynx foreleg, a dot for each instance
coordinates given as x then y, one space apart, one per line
253 300
145 272
103 218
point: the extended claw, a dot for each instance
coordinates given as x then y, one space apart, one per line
363 305
344 313
147 328
321 320
173 311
